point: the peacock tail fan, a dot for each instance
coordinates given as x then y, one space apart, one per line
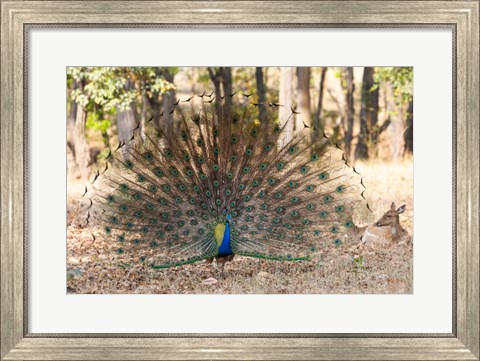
170 194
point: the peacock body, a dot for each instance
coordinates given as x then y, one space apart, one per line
218 182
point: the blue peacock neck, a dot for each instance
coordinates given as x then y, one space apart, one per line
222 236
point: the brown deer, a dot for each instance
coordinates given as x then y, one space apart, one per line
387 230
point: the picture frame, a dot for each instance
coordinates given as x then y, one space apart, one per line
18 16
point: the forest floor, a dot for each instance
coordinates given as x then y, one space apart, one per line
355 269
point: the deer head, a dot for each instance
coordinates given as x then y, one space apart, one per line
391 217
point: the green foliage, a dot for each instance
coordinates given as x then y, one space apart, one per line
115 87
401 79
93 122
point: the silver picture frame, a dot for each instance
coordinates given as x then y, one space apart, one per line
17 17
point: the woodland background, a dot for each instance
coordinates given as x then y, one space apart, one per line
368 111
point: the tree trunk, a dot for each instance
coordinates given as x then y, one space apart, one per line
82 150
303 98
222 81
348 89
285 116
318 114
367 139
261 93
168 99
409 131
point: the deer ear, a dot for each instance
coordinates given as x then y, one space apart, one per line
392 207
401 209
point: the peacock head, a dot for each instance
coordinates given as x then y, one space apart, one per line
228 218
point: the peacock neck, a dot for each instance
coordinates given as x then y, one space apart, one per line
222 236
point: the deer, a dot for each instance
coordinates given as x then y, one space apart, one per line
387 230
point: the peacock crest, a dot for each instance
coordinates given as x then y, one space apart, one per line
218 181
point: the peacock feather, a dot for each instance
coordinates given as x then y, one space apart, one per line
218 182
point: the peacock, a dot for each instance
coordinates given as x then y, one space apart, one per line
217 181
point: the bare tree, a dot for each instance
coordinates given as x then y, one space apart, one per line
318 113
285 100
408 135
348 89
82 150
261 93
303 98
367 138
222 81
169 98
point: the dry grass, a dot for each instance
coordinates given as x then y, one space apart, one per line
353 270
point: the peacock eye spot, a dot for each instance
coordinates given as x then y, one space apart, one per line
148 156
268 147
152 188
129 164
280 165
215 167
340 189
110 198
340 209
248 152
337 242
216 183
291 150
241 187
200 160
137 196
327 199
334 229
245 169
348 224
158 172
314 157
323 176
203 176
108 230
263 166
323 214
141 178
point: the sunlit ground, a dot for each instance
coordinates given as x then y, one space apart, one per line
353 268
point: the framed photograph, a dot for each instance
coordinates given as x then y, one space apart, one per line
241 180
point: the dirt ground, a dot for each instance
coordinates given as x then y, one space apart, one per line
356 269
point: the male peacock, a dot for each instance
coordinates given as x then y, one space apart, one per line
217 182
